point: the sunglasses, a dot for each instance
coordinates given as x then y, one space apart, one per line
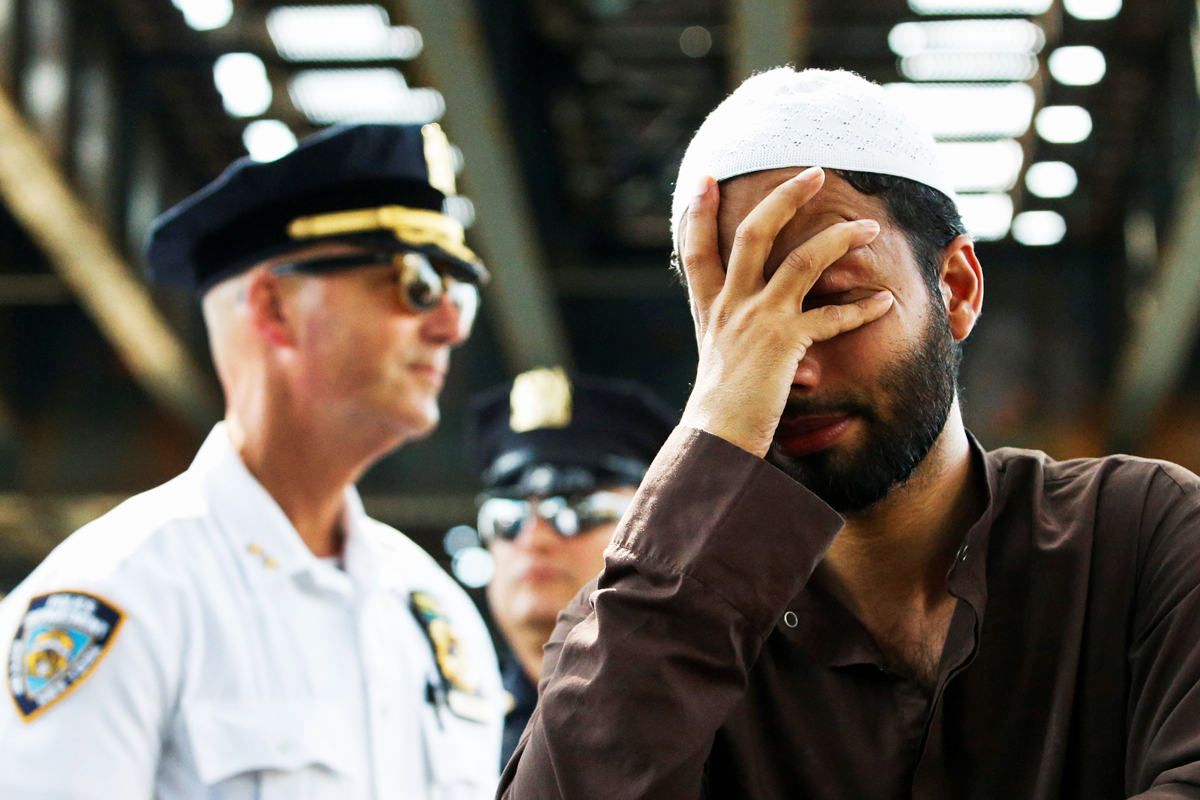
503 517
422 284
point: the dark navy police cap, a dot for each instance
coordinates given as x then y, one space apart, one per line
377 185
547 434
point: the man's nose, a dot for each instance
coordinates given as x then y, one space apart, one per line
808 371
537 533
444 323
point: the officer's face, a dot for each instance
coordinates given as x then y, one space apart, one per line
360 352
885 390
539 572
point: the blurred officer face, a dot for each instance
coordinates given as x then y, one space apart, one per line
539 571
865 407
357 349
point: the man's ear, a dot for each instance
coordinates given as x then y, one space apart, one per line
264 302
962 286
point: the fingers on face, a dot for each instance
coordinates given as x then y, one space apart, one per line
755 237
699 253
756 234
801 268
827 322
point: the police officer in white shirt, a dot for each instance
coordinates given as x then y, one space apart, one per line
245 630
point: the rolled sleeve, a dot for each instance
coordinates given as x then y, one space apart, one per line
652 657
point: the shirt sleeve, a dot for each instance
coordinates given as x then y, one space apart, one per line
651 658
1163 757
99 738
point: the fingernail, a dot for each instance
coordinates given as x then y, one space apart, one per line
881 295
869 224
807 175
703 185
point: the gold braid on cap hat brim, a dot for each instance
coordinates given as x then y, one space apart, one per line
416 226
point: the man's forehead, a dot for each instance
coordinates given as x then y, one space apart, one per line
837 200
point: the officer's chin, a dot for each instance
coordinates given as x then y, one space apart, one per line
423 422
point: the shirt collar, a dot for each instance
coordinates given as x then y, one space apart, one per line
833 636
362 558
967 578
262 531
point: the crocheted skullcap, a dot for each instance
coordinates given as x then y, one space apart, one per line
814 117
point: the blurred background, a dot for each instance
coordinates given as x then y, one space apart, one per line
1069 127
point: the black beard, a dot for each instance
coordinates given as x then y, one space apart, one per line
919 392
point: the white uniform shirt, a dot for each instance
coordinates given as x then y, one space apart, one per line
193 647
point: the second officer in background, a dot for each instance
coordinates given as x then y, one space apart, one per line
561 458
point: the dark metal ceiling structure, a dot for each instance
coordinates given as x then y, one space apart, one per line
572 116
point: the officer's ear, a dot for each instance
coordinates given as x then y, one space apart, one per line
266 308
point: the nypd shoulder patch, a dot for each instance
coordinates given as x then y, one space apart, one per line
61 638
458 689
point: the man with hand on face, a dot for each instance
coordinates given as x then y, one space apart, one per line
560 460
824 587
245 630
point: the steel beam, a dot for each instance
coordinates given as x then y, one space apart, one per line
1163 331
523 307
766 34
37 193
1164 328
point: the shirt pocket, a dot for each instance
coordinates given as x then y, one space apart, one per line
464 754
293 749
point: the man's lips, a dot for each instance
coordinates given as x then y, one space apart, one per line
801 435
429 372
542 574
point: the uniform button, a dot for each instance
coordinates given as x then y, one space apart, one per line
790 619
962 553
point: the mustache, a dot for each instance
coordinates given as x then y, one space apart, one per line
809 407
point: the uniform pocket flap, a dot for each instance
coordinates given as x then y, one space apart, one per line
229 739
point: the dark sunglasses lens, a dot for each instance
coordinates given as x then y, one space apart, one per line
465 297
590 520
600 508
567 522
420 283
502 518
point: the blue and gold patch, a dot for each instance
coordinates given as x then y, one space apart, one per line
458 688
62 637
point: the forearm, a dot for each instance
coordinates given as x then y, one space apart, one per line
649 661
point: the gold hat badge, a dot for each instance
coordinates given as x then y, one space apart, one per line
540 398
438 160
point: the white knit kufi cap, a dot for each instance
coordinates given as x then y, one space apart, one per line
812 118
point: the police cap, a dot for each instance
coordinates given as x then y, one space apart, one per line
381 186
547 434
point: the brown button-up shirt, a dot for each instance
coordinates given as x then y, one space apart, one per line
701 663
